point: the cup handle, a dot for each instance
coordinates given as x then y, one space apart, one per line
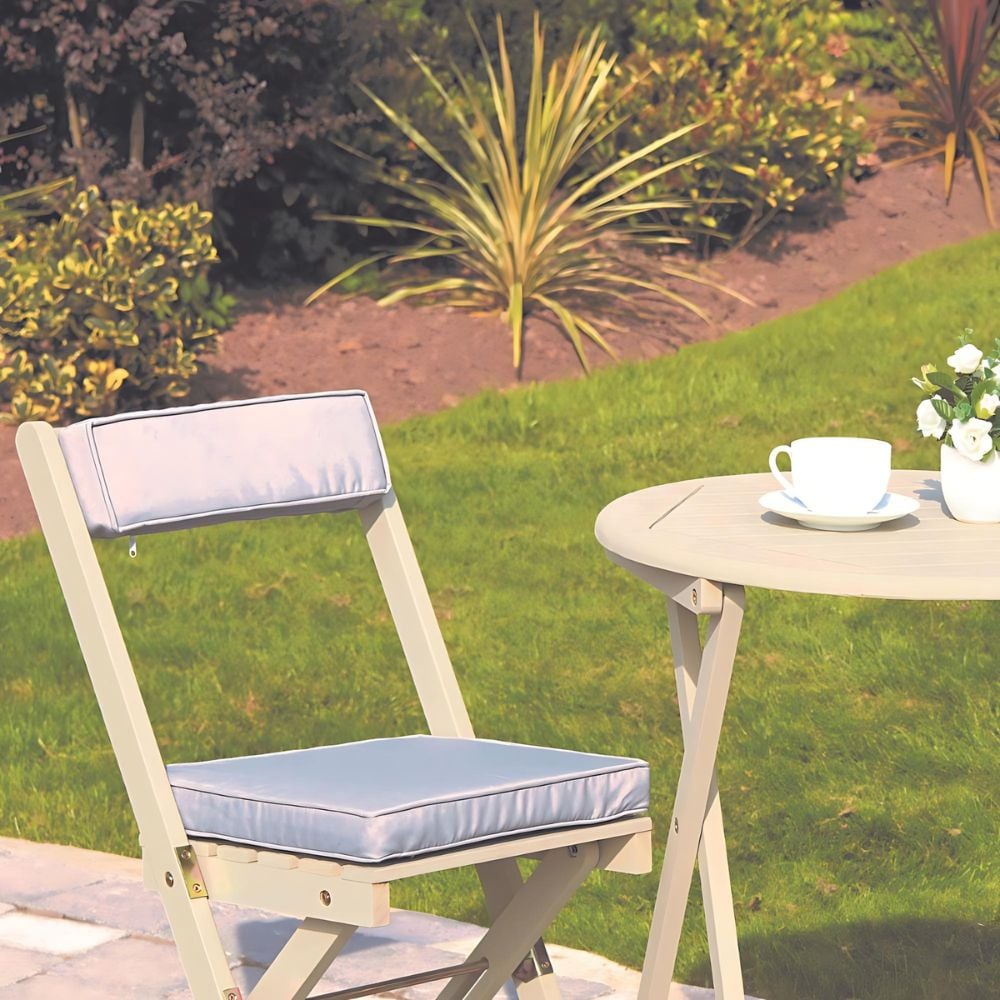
782 449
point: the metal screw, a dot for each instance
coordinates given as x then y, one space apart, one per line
677 825
694 596
169 879
324 897
196 887
574 851
185 854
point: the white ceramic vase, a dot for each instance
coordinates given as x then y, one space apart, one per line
971 489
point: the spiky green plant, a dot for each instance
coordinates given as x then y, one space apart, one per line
18 205
953 108
523 227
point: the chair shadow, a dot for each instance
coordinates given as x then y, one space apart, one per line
892 960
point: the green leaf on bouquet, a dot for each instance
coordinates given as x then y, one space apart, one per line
988 384
943 408
963 412
945 381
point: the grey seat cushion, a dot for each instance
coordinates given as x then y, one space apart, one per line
378 800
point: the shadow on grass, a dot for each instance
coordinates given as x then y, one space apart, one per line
891 960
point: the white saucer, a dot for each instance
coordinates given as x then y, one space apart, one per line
890 507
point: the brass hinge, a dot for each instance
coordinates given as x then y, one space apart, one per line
535 964
191 873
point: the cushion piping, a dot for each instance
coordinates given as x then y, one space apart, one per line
468 842
353 500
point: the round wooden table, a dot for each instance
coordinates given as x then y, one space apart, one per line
701 542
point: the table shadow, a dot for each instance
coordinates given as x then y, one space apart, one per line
892 960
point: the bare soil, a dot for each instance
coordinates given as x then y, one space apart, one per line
416 360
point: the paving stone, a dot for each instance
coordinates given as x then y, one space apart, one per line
17 964
582 976
386 961
595 969
77 858
151 967
24 879
417 928
252 936
115 901
52 935
47 986
104 896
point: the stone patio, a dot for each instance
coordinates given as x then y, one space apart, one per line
79 924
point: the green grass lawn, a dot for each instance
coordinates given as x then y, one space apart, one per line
860 762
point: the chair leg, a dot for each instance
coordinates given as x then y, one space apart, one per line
502 881
531 910
198 945
300 965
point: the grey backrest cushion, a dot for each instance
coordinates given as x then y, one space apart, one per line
159 470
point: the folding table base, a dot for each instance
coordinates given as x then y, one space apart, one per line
703 675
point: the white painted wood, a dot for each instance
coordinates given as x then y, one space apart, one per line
524 919
296 892
692 798
714 529
713 865
510 847
502 881
301 963
721 533
236 854
631 855
326 893
122 707
416 623
276 859
322 866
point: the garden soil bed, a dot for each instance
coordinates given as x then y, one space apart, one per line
416 360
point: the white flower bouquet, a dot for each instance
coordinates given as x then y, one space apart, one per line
961 408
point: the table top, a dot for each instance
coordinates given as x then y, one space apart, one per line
718 531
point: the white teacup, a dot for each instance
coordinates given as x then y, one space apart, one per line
836 475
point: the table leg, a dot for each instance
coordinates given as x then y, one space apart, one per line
703 678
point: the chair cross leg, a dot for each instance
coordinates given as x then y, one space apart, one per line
533 907
696 825
301 963
535 978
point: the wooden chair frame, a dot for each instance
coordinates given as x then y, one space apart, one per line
331 899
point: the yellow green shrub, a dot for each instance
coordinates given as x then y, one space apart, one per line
107 308
760 75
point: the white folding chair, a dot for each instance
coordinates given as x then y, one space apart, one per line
321 833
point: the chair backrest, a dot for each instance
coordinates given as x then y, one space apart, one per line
137 473
182 467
